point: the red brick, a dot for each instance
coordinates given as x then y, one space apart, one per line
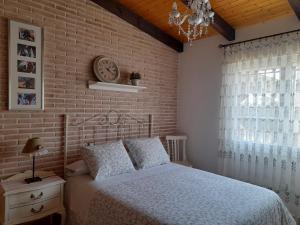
75 33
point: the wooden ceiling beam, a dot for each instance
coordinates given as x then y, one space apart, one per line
124 13
224 28
220 25
295 4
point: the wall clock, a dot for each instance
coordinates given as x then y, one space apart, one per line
106 69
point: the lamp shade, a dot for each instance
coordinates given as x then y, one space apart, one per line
32 146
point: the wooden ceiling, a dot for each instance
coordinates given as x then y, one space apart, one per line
237 13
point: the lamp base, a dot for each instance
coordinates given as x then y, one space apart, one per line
32 179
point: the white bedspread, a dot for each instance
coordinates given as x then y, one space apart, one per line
172 195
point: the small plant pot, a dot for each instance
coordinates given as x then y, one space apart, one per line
135 82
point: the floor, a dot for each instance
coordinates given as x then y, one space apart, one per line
50 220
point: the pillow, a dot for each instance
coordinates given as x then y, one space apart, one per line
107 160
147 152
77 168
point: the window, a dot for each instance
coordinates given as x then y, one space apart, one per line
259 137
265 107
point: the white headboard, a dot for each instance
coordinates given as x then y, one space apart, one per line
103 127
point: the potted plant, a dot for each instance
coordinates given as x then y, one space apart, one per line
135 78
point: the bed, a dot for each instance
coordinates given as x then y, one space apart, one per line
171 194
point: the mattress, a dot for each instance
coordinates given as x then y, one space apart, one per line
172 194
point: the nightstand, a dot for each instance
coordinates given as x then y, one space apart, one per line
21 202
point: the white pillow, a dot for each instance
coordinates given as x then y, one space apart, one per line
77 168
107 160
147 152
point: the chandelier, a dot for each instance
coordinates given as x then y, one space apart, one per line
198 20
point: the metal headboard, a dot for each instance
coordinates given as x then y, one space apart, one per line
113 125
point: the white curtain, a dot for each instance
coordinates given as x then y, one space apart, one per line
259 136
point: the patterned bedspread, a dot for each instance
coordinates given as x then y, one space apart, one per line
184 196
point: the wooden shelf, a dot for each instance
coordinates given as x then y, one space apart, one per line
114 87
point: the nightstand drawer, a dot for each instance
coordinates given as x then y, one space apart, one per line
34 196
34 209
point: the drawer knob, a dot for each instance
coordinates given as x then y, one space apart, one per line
33 197
37 210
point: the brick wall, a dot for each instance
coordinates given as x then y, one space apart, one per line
76 31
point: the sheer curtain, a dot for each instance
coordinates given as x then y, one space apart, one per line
259 136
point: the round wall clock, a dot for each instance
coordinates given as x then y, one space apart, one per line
106 69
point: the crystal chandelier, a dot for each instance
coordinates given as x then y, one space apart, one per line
197 21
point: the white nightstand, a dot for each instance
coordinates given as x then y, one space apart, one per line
21 202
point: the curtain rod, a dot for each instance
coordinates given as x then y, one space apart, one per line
255 39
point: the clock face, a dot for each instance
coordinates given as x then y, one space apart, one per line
106 70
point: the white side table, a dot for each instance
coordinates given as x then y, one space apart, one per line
21 202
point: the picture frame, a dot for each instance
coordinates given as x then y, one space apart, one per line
26 83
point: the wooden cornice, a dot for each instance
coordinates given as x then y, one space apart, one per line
222 26
295 4
124 13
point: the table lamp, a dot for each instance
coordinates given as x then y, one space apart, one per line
33 148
